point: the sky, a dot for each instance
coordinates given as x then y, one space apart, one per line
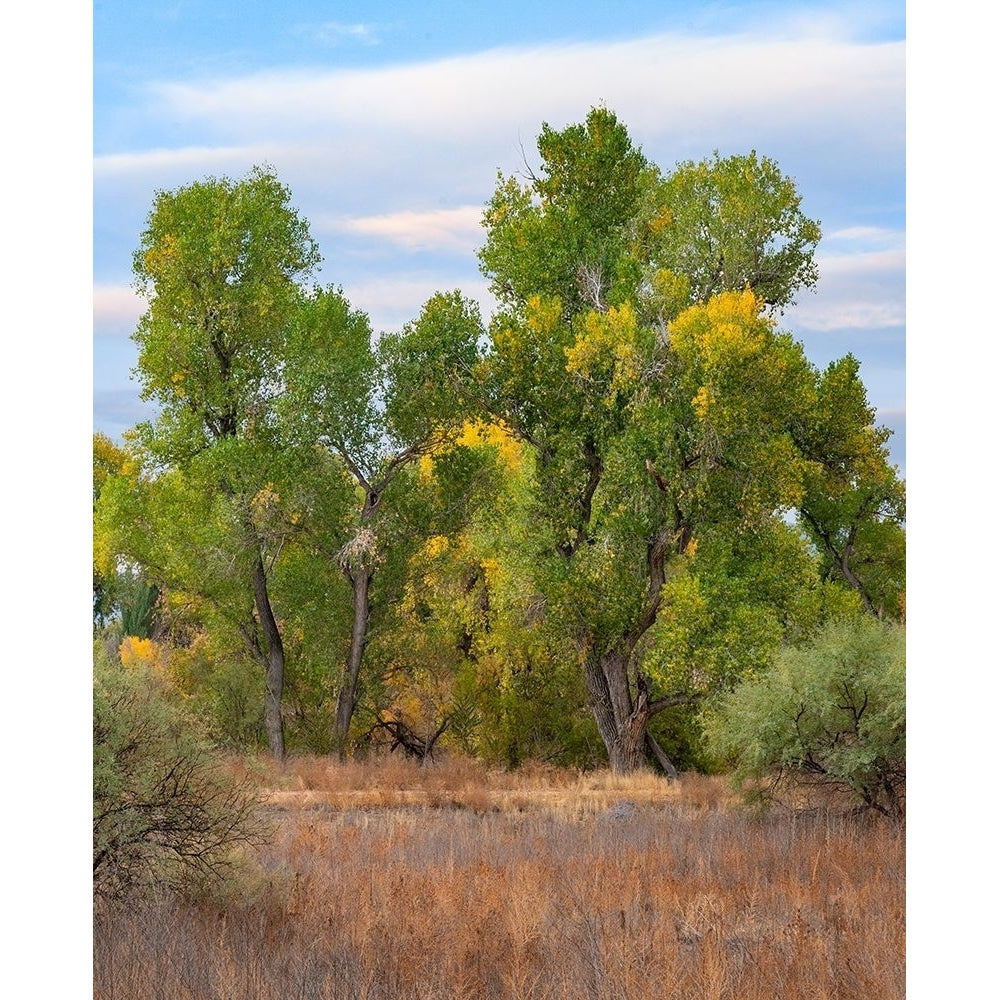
389 122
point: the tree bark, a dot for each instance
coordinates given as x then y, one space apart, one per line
621 720
360 580
274 662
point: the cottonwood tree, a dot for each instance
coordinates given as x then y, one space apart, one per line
734 222
650 423
221 263
854 507
374 408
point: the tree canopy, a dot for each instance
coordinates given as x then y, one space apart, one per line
562 532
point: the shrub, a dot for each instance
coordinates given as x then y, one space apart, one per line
166 811
832 710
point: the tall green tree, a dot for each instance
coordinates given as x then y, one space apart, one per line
650 424
221 263
375 409
570 233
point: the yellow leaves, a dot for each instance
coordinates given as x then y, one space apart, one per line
495 435
492 571
719 342
476 434
702 401
159 257
661 220
543 314
264 500
435 545
145 654
725 328
105 553
606 350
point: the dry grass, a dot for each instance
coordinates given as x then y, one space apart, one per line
320 783
390 881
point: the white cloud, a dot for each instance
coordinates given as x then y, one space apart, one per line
867 236
855 291
364 143
333 32
454 230
187 159
394 301
117 309
664 85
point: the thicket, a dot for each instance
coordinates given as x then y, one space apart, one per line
167 811
831 711
561 534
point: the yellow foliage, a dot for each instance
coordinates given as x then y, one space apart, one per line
473 434
702 400
607 346
724 329
264 502
435 546
136 653
663 218
161 255
491 570
543 314
496 435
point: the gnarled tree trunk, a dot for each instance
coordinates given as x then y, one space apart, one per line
621 719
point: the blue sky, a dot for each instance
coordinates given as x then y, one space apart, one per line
389 122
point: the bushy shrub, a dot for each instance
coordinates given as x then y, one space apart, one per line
831 711
166 812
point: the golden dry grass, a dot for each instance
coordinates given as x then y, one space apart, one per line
389 881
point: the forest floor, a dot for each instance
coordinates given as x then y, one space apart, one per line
388 881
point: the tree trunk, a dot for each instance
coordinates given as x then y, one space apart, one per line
621 721
274 663
360 580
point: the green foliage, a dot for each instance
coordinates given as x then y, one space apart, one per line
166 813
731 223
854 504
568 234
220 261
138 605
593 497
831 710
427 370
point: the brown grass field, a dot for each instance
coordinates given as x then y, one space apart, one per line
390 882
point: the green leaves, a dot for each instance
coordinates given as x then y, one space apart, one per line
833 709
566 235
219 263
731 223
428 369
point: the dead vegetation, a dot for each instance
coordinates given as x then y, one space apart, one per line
393 881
